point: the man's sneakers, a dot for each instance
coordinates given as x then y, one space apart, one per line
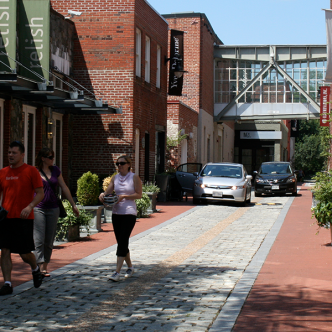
115 276
37 278
6 289
129 272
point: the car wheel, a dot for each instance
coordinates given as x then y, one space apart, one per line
294 193
196 201
258 194
249 199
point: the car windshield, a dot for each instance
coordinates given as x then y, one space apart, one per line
222 171
277 168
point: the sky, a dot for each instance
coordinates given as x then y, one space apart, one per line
257 22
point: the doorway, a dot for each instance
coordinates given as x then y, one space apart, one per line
147 157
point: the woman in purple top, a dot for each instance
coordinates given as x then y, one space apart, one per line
128 187
47 211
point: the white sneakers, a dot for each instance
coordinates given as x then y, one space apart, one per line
129 272
116 276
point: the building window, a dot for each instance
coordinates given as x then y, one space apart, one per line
158 66
29 134
138 52
1 131
147 59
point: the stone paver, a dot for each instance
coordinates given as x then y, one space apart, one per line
185 272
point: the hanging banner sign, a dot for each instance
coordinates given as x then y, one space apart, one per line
34 38
324 106
176 52
328 21
7 35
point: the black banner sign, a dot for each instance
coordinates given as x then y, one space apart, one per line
176 53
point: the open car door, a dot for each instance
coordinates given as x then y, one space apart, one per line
185 175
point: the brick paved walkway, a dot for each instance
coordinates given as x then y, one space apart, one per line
194 271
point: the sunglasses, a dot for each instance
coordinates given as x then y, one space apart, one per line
121 163
49 157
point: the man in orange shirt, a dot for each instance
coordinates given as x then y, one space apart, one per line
21 189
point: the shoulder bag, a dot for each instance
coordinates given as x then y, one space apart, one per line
62 209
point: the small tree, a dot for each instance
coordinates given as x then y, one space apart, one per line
172 145
88 189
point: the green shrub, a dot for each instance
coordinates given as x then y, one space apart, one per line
71 220
323 194
88 189
149 187
142 205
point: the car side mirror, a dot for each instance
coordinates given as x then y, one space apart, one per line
296 172
255 172
195 173
249 177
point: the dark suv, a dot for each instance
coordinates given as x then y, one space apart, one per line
275 178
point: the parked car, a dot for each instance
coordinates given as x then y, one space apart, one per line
222 182
275 178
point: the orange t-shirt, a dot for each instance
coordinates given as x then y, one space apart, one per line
18 188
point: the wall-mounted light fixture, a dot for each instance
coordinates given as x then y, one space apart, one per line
176 65
49 128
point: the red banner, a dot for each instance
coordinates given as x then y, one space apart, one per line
324 106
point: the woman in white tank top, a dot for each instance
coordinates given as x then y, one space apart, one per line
128 187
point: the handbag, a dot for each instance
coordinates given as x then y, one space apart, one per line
3 214
62 209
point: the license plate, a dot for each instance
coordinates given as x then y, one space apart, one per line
275 187
217 193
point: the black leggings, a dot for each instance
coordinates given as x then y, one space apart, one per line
123 224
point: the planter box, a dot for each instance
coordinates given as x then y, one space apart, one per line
153 202
108 214
95 221
73 234
162 181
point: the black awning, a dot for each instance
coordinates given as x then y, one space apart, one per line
43 94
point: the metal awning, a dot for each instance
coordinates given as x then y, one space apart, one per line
45 94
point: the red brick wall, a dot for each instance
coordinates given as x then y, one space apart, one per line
186 118
105 63
198 61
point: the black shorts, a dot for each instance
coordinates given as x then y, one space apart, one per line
16 234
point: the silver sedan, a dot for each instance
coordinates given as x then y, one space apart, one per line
222 182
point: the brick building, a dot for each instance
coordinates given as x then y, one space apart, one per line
101 93
193 112
119 47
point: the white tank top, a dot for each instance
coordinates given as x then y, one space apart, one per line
124 185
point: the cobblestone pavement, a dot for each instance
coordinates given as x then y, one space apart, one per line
188 273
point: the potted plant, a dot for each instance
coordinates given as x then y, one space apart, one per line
142 205
322 194
68 228
108 210
87 196
152 191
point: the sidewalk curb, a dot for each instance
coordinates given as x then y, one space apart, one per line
62 270
227 317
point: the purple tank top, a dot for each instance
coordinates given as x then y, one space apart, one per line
124 185
50 200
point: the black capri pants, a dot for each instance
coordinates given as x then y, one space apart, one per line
123 224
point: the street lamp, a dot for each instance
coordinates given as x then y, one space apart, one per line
176 65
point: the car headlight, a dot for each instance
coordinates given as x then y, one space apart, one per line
238 187
259 181
290 180
199 184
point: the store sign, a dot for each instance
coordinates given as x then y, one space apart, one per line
324 106
34 37
7 35
176 52
262 135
